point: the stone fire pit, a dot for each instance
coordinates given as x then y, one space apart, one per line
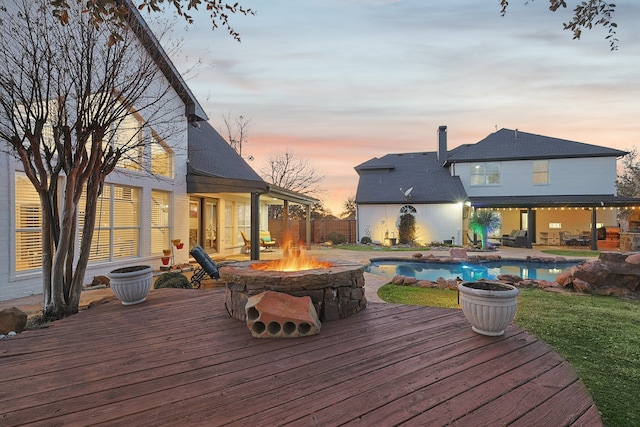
337 292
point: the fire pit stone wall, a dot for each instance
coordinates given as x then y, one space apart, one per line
337 292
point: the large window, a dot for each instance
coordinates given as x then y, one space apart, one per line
160 221
161 158
28 236
541 172
117 228
486 173
129 134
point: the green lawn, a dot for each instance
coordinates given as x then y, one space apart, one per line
599 336
354 247
572 252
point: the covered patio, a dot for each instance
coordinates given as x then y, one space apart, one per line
581 214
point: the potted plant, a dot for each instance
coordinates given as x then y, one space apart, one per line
489 306
131 284
483 222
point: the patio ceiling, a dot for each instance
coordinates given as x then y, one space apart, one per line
569 201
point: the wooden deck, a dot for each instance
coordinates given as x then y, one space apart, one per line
179 359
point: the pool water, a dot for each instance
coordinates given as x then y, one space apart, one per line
470 271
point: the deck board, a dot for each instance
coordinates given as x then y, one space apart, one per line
178 359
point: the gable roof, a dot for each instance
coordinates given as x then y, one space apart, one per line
214 166
507 144
193 109
386 179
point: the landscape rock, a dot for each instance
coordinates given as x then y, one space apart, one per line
509 278
12 319
101 281
398 279
564 279
581 286
458 254
279 315
442 283
633 259
417 255
545 284
410 281
424 284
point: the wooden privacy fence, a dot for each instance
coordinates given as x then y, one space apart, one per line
320 229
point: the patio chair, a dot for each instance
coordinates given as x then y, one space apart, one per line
247 242
266 241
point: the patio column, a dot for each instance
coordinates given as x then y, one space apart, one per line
255 226
594 230
308 227
530 227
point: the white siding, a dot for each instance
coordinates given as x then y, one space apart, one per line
566 176
15 285
434 223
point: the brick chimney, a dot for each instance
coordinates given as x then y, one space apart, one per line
442 144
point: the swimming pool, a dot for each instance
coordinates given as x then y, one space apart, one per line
422 270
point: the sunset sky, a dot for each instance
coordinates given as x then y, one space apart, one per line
339 82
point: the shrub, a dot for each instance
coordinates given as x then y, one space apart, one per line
407 229
336 238
365 240
172 280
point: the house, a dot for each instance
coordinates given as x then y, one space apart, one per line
536 183
201 192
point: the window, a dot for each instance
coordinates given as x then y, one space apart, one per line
160 221
28 237
540 172
555 225
408 209
243 217
129 134
228 224
487 173
38 110
161 158
117 228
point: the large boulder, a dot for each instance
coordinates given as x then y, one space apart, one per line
614 273
12 320
279 315
594 272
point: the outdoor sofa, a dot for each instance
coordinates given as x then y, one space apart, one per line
517 239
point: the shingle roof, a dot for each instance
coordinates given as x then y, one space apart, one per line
507 144
386 179
210 155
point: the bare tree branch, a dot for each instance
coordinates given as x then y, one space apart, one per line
292 173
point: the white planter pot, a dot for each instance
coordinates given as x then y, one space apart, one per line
131 284
489 311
